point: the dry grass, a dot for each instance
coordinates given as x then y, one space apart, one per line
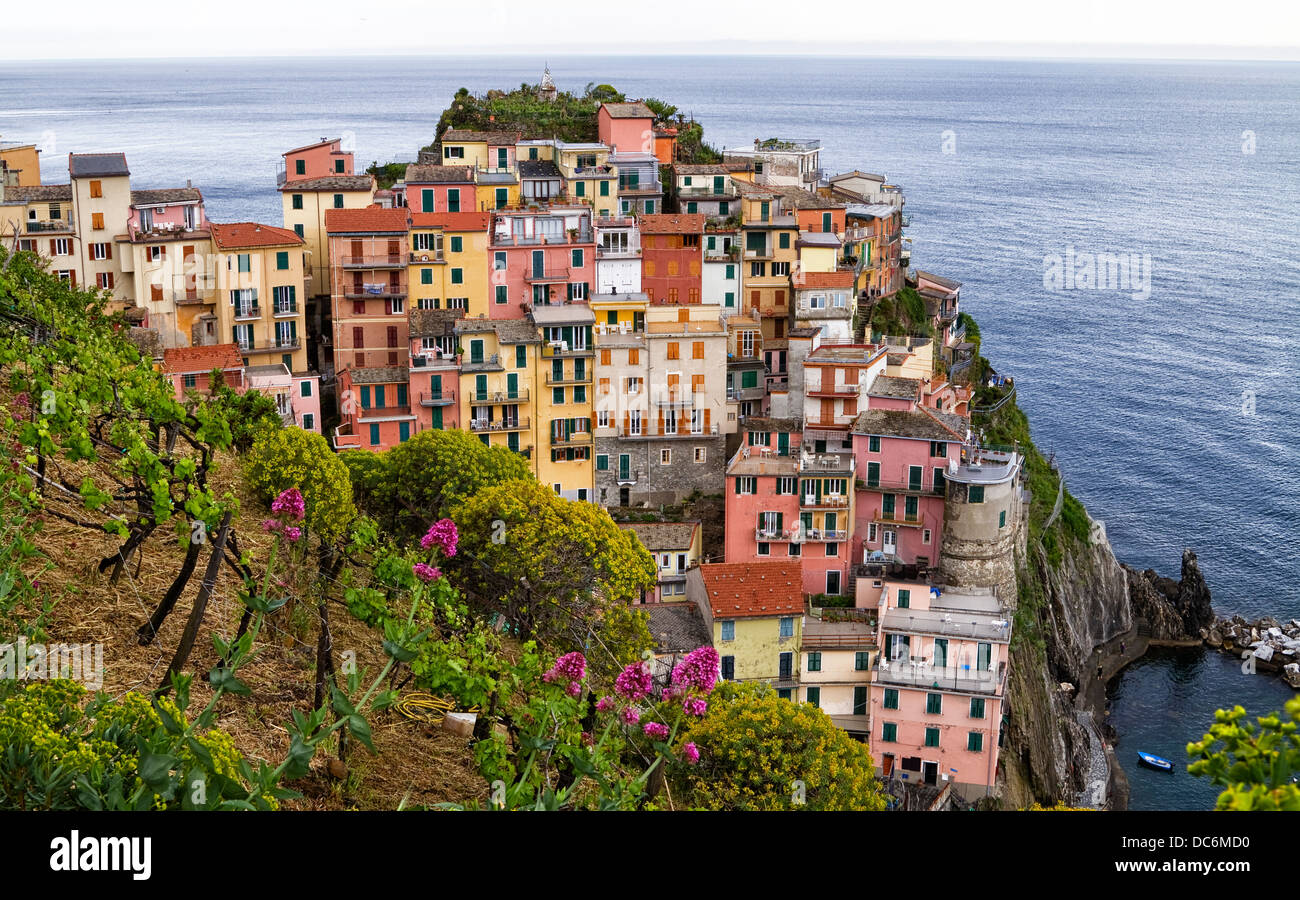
422 765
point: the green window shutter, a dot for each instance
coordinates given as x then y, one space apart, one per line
814 661
891 698
298 229
904 598
604 189
934 704
426 200
281 260
975 742
724 208
975 493
457 276
737 485
502 294
889 733
577 259
692 207
580 189
815 696
297 201
873 474
374 435
873 443
602 463
437 417
401 395
977 707
826 221
379 396
861 661
338 201
306 389
521 356
783 444
453 200
503 198
300 167
859 700
729 298
1002 519
426 276
404 431
932 737
456 244
784 240
887 505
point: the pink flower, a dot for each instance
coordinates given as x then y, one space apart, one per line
699 669
289 504
690 753
695 706
631 715
292 533
605 704
569 667
443 535
271 524
634 682
574 689
656 730
426 572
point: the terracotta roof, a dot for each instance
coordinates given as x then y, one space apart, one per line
242 235
418 174
677 627
664 535
40 192
919 423
90 165
634 110
452 221
369 220
457 136
193 360
331 183
813 280
754 589
672 223
321 143
166 195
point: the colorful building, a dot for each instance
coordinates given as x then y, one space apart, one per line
312 180
259 283
540 257
165 256
676 548
755 612
369 261
449 266
565 405
434 374
626 127
101 204
672 258
498 382
838 657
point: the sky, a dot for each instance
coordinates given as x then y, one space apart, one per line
1145 29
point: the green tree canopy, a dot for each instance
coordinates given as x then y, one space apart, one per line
1257 764
286 458
757 750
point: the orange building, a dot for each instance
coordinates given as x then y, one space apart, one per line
671 257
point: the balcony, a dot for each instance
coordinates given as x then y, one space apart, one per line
285 309
247 312
437 398
287 344
519 395
485 364
754 393
542 276
551 351
427 256
370 413
577 439
389 292
801 535
575 378
485 426
50 226
895 520
682 399
375 261
844 391
908 673
901 487
826 501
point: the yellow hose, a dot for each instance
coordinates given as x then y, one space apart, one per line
422 707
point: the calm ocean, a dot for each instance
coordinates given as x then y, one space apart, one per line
1146 400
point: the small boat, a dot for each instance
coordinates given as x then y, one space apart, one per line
1155 762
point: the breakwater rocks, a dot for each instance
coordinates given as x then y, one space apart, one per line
1265 645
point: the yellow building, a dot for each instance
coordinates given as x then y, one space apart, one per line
260 292
492 151
42 216
769 253
619 312
305 203
588 176
755 613
449 262
20 164
564 399
498 382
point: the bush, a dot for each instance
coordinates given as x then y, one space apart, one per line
293 458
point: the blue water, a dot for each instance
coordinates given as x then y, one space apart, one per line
1141 399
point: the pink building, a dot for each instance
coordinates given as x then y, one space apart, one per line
434 372
368 280
938 687
901 455
626 127
440 189
540 257
376 408
319 160
297 397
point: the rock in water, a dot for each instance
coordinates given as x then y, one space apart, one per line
1194 596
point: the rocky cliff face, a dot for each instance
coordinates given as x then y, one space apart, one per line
1052 749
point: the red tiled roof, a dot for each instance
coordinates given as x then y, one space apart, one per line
369 219
243 235
189 360
458 221
824 279
672 223
754 589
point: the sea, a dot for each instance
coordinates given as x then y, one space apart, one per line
1169 399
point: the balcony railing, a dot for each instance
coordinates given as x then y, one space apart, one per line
576 439
544 275
847 391
826 501
477 365
389 292
437 398
382 412
427 256
516 396
247 312
801 535
481 426
896 519
287 343
953 678
576 378
286 309
901 487
50 225
550 351
375 261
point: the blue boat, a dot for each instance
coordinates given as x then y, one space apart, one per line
1155 762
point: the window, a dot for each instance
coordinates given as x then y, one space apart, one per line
338 166
298 229
453 200
787 626
502 294
456 243
975 742
746 484
674 350
1002 519
932 737
925 536
814 695
300 167
975 493
904 598
977 707
728 668
521 357
889 733
861 661
784 243
814 661
728 629
934 704
308 422
873 444
297 201
282 260
891 698
793 550
938 448
580 189
374 435
783 269
96 188
602 462
189 381
97 221
764 548
577 258
557 396
338 201
457 276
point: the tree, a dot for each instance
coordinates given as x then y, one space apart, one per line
1257 765
560 569
761 752
293 458
663 111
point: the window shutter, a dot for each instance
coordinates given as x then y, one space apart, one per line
627 422
53 247
706 419
737 485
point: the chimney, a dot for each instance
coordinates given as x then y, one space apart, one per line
188 183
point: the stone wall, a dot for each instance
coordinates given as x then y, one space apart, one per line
655 483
